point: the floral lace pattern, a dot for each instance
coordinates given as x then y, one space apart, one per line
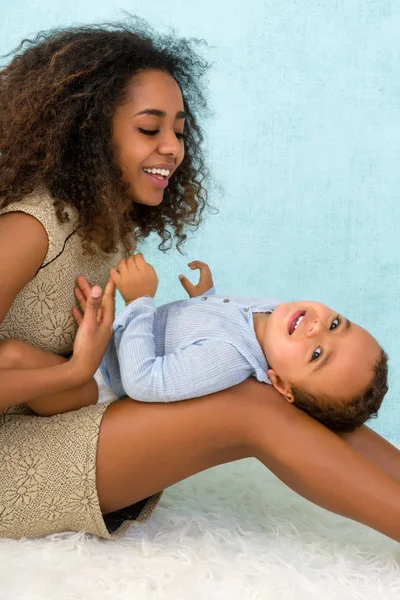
48 474
42 312
48 464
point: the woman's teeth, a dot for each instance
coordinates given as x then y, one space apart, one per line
299 320
160 172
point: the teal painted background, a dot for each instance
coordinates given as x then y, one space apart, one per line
304 143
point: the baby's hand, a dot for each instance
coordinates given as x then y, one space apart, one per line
205 282
134 278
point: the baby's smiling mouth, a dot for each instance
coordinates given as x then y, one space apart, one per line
295 320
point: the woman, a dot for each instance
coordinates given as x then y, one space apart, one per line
91 126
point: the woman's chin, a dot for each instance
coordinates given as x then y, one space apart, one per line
150 200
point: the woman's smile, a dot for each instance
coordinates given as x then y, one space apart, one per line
159 175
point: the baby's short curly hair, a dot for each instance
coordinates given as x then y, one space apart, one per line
350 414
58 96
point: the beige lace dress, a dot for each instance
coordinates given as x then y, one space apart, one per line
48 464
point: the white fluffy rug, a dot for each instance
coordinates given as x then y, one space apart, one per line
231 533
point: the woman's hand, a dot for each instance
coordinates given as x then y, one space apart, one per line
95 330
134 278
205 282
82 293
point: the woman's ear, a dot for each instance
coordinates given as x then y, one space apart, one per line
281 386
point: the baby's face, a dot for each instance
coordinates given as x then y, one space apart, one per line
310 347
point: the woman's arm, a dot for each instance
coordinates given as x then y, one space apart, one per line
24 385
94 333
21 356
19 263
23 247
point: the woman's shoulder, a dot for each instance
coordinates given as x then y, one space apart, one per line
40 205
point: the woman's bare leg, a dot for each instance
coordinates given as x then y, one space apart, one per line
145 448
375 448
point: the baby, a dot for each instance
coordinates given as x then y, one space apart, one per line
327 366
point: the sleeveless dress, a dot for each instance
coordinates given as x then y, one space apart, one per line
48 464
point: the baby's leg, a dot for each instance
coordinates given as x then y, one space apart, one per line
16 354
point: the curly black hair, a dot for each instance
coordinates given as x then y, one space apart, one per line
57 100
347 416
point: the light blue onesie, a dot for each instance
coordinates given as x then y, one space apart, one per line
184 349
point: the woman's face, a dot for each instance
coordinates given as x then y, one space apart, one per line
148 135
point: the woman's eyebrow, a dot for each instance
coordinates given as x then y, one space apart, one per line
160 113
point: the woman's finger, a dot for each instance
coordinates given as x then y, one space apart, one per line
108 308
110 288
84 286
76 313
93 304
81 298
108 301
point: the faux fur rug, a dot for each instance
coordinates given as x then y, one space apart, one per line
231 533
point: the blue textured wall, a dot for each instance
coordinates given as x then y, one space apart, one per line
305 142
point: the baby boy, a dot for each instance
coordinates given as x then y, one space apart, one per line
326 365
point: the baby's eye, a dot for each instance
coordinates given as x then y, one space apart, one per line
316 354
335 323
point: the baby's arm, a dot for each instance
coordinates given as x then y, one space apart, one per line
203 367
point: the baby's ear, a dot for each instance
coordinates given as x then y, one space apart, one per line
281 386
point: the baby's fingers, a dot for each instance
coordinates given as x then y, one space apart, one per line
187 286
196 264
115 277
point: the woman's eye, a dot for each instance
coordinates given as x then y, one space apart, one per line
316 354
180 136
148 131
335 323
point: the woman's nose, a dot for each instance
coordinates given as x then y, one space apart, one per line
169 144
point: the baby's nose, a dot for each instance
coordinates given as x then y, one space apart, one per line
313 328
